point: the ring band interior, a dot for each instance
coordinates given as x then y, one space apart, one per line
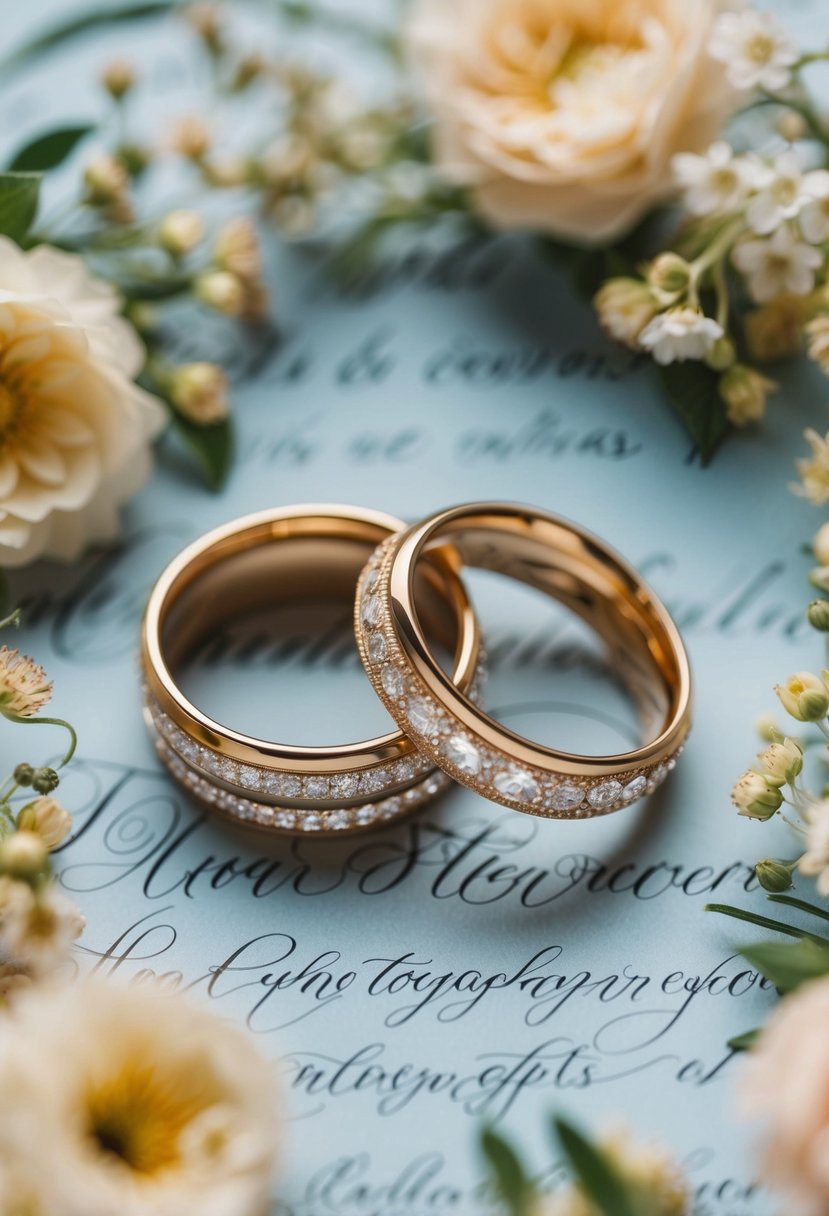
573 569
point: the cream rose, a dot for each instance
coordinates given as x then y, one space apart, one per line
75 431
787 1081
563 115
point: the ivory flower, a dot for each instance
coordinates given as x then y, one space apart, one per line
755 49
786 1082
814 218
680 334
143 1103
180 232
562 116
818 335
782 762
777 266
237 249
75 431
814 473
716 181
654 1181
624 307
24 687
782 192
37 929
804 696
755 796
820 544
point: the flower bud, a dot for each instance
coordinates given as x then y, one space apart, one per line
199 391
44 780
755 797
106 180
221 290
180 232
237 249
804 696
722 355
118 78
820 545
190 137
669 273
249 68
745 393
817 615
819 577
134 158
624 307
205 20
792 126
782 762
774 876
47 819
24 856
24 774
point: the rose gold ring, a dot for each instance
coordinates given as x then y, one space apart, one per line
571 566
252 564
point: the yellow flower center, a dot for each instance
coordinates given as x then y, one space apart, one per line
725 181
760 48
138 1116
785 191
10 410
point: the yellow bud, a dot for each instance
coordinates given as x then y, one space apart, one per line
106 180
24 856
223 291
722 355
180 232
47 819
669 274
782 762
199 391
624 307
191 137
745 393
118 78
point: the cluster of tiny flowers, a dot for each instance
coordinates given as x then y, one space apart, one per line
653 1181
37 924
774 785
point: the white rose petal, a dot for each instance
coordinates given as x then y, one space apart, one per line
75 431
563 117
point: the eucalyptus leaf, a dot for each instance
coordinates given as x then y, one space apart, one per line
693 391
75 27
19 194
49 150
211 445
789 966
596 1174
510 1177
744 1042
765 922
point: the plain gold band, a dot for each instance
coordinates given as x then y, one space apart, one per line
571 566
252 563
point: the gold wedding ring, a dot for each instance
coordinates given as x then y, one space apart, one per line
571 566
264 560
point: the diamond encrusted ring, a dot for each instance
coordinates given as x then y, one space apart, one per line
575 568
255 563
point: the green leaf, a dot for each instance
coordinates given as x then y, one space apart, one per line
76 27
744 1042
596 1174
18 203
510 1177
693 391
789 966
49 150
765 922
211 445
800 904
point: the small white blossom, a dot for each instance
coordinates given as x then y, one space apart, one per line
815 861
757 51
814 217
783 190
680 334
778 265
718 181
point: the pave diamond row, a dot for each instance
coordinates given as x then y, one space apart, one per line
313 821
459 752
314 787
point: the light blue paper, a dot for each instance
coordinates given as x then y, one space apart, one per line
462 377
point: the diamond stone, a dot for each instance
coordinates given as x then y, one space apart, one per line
635 789
229 769
566 797
374 780
316 787
394 682
422 716
339 820
285 819
605 795
283 785
249 776
463 753
370 611
310 823
345 785
370 582
377 648
365 814
516 783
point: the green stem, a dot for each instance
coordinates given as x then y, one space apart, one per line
73 737
14 619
